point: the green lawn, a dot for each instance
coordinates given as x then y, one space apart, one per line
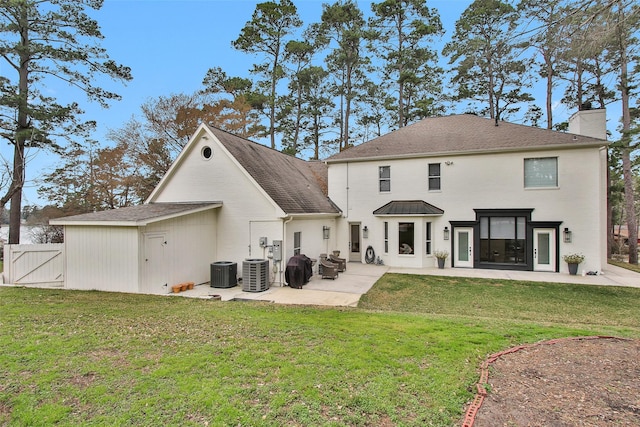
407 357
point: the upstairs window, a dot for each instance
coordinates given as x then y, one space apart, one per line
434 176
385 178
541 172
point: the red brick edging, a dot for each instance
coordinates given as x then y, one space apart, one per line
481 391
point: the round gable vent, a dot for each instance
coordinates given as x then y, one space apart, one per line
206 152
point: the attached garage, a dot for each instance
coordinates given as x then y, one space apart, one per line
140 249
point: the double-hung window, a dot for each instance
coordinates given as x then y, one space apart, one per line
541 172
434 176
428 239
386 237
384 175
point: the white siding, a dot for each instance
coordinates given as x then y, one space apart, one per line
489 181
190 247
312 244
246 214
102 258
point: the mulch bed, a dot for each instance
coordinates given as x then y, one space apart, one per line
593 381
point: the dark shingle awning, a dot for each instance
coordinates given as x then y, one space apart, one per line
408 208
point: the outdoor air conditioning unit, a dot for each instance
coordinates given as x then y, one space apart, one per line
255 275
224 274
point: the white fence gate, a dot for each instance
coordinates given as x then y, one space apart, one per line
41 265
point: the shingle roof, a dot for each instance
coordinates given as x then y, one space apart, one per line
136 215
461 134
408 207
297 186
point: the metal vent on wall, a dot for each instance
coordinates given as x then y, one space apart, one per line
255 275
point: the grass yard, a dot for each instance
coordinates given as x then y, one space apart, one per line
407 357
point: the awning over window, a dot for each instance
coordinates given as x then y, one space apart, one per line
407 208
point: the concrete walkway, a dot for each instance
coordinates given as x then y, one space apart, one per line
359 278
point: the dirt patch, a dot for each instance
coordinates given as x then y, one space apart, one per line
585 382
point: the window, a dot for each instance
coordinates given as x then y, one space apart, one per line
428 239
385 178
386 237
405 238
541 172
503 239
297 238
434 176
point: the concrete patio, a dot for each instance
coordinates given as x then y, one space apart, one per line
347 289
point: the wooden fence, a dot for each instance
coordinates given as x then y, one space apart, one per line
41 265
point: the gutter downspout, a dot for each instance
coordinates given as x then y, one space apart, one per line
347 215
284 245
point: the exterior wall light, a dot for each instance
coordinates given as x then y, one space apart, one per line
365 232
567 235
446 233
325 232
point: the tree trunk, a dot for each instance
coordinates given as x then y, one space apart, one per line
22 129
347 111
15 212
629 196
610 230
549 91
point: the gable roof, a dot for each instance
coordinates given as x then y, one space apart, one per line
134 216
408 207
461 134
296 186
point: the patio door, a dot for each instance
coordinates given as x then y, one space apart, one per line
354 242
544 249
463 247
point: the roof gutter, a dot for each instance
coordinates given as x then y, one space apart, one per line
133 223
311 216
467 153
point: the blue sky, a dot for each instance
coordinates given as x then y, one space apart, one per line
169 45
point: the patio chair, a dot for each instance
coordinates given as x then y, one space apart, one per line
342 263
328 270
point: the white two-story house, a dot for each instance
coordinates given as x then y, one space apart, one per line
494 195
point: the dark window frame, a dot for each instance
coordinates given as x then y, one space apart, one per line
406 237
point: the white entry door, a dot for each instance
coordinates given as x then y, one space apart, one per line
155 265
544 249
463 247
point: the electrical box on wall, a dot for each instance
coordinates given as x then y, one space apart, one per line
263 242
277 250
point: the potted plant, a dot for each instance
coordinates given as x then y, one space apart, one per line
441 256
573 260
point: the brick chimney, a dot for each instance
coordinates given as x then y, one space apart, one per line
587 122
